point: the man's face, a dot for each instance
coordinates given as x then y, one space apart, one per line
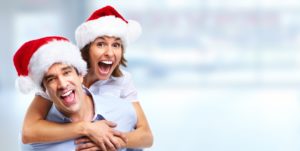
64 88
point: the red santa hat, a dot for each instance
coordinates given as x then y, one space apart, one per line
107 21
34 58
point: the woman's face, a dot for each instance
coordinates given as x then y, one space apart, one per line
105 54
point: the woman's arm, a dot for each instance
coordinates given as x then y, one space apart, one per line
37 129
141 137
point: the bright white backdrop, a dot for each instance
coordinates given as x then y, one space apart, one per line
212 75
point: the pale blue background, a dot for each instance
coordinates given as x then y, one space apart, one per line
212 75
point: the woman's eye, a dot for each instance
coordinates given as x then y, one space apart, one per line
116 45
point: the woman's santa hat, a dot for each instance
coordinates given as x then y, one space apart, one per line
35 57
107 22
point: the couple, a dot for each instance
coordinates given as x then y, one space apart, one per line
80 117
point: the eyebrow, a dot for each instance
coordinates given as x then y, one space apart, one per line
48 77
116 38
62 69
66 68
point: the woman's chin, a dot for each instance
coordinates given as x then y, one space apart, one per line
103 76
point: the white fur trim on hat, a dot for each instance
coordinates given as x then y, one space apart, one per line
134 30
24 84
107 26
54 52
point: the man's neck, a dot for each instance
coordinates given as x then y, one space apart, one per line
86 111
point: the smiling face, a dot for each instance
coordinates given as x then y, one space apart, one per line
63 85
104 56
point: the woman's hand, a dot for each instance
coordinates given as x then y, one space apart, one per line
85 144
103 135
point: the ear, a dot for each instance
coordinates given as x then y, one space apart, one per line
46 95
81 78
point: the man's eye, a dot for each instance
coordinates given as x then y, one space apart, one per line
100 44
67 72
50 80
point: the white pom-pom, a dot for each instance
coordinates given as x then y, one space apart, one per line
134 30
24 84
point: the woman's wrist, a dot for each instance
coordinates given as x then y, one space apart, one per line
83 128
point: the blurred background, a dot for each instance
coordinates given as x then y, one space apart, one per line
212 75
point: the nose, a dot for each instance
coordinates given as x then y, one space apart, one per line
109 51
62 82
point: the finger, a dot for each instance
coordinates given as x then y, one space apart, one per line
109 144
82 140
116 133
90 149
123 137
85 146
120 134
102 147
111 124
115 142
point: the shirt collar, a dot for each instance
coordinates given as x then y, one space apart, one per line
102 82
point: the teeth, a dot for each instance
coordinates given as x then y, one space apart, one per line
107 62
67 93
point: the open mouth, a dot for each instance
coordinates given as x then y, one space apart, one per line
68 97
105 66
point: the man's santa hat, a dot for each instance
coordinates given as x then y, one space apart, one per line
107 21
35 57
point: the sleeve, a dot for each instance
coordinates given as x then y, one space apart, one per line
43 94
129 92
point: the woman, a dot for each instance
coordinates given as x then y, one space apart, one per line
101 40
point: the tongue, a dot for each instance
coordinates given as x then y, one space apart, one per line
104 69
68 100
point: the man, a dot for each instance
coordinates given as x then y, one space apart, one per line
54 66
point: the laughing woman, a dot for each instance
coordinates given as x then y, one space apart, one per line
102 40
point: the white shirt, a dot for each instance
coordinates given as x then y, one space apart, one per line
122 87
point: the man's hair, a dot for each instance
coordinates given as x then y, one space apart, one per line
85 53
